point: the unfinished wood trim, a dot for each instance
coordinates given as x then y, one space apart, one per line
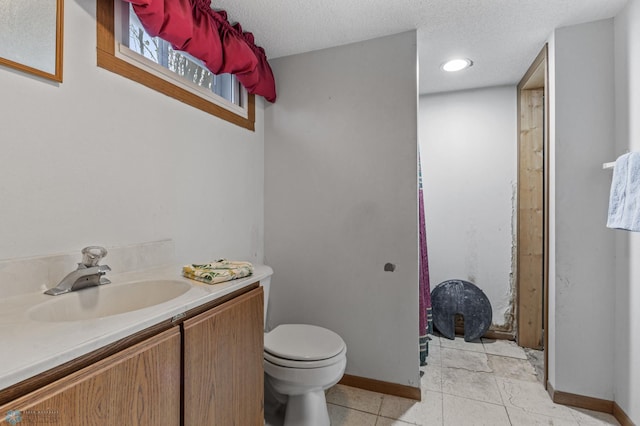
621 416
530 211
108 60
490 334
580 401
532 78
537 78
379 386
499 335
545 257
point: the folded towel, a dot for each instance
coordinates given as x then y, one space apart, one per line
219 271
624 199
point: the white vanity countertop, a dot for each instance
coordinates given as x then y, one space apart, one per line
29 347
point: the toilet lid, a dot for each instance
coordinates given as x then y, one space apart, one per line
302 342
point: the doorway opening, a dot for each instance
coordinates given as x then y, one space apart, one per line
532 234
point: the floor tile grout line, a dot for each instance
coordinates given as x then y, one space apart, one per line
546 414
391 418
472 399
355 409
508 415
504 404
441 400
508 356
486 353
466 350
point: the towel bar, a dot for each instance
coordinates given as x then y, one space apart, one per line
609 165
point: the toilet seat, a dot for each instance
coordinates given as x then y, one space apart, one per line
283 362
303 346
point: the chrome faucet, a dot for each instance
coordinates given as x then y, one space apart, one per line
88 274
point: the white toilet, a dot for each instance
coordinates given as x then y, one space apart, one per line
300 362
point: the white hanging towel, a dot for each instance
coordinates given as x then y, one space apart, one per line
624 199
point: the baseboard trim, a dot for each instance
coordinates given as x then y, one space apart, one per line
590 403
580 401
490 334
387 388
499 335
621 416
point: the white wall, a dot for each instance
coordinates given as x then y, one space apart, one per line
627 276
100 159
468 144
582 287
341 200
551 330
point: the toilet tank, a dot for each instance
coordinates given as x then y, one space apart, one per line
266 286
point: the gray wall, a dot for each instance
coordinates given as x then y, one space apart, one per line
468 143
627 275
341 200
582 260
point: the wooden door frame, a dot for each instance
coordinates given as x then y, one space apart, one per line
537 77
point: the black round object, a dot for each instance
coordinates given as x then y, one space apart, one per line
453 297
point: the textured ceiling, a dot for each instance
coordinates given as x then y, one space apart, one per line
502 37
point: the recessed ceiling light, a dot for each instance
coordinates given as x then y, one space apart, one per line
457 65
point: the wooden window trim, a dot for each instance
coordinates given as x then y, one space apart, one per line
107 59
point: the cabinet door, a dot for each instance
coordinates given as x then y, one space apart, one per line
223 372
137 386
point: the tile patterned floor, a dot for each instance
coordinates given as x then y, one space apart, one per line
486 382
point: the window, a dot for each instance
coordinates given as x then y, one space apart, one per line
181 66
126 49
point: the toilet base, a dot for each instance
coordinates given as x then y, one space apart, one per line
300 386
308 409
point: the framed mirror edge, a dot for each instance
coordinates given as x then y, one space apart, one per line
57 74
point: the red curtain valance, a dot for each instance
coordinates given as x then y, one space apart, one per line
192 26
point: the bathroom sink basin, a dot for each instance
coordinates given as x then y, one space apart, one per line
107 300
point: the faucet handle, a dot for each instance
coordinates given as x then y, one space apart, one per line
91 255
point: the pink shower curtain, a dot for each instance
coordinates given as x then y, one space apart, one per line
426 324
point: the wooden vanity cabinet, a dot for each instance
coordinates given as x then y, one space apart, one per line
223 372
137 386
205 370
